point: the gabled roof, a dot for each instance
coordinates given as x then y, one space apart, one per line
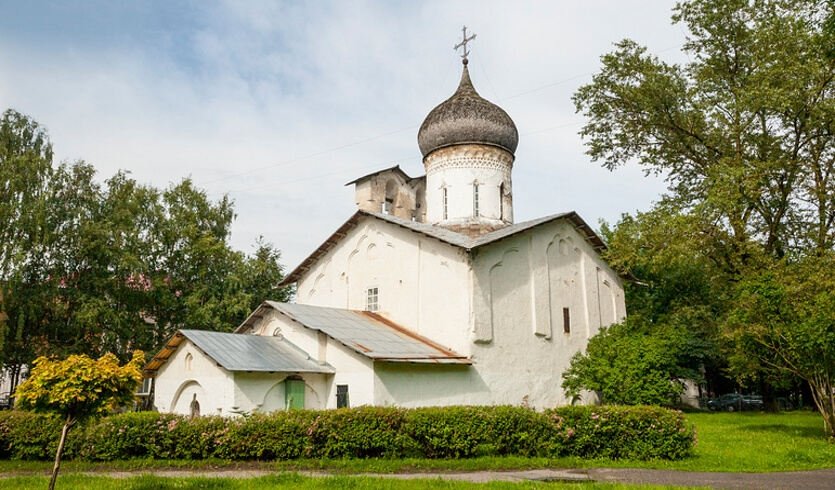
395 168
444 235
365 332
235 352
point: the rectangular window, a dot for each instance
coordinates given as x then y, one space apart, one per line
341 396
446 202
372 299
145 389
475 200
566 320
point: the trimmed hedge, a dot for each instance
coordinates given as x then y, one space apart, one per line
366 432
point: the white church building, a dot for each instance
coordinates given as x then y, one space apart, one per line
429 294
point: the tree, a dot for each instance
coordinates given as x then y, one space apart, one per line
743 132
630 364
113 266
78 387
745 135
783 322
25 167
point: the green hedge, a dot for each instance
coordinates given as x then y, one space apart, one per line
365 432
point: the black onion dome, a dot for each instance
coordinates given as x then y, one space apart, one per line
466 117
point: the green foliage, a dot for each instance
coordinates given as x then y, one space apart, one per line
448 432
639 433
743 134
364 432
626 365
25 162
742 131
784 322
28 435
88 267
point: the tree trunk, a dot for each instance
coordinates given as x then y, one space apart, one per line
69 423
14 379
825 402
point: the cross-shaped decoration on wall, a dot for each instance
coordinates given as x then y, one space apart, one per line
463 44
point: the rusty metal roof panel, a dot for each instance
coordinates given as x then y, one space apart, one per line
236 352
368 334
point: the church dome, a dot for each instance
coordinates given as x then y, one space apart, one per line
464 118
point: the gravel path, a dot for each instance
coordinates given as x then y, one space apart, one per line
812 480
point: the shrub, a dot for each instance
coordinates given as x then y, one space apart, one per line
634 432
126 436
448 432
364 432
523 432
279 435
27 435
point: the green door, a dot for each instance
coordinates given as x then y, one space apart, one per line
294 394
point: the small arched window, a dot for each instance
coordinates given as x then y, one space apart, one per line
390 198
189 359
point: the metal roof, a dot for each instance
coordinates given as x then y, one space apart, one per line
365 332
445 235
236 352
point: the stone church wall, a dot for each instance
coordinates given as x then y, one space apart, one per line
390 192
189 372
351 368
422 284
539 296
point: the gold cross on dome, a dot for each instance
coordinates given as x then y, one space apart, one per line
463 44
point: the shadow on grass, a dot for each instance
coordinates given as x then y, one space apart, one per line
787 430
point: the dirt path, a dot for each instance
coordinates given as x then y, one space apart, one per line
812 480
807 480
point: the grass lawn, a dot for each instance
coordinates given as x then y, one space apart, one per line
758 442
289 481
745 442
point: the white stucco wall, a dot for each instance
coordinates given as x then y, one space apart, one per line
522 285
457 169
423 284
519 347
176 384
352 369
221 392
264 392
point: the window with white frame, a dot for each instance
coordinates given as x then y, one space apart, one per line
372 301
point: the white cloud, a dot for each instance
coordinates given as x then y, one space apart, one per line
266 100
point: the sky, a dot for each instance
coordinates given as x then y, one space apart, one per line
279 104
